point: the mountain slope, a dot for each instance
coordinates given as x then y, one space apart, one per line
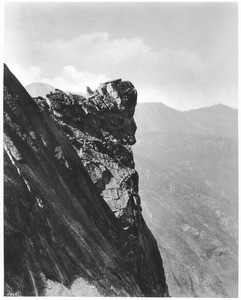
61 238
218 120
189 191
215 120
156 117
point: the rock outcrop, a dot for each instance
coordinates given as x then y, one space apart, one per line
73 222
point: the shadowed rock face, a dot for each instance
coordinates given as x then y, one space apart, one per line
63 155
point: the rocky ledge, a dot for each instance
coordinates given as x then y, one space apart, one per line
66 158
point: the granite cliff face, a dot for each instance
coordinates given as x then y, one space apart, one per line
73 221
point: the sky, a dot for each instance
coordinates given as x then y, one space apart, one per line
182 54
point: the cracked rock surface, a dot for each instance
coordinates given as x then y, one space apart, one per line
73 221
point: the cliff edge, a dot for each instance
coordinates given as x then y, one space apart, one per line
73 221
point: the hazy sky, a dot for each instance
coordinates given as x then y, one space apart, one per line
182 54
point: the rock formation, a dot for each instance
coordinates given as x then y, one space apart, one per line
73 222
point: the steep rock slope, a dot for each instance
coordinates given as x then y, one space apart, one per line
61 238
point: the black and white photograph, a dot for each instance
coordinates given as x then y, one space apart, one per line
120 160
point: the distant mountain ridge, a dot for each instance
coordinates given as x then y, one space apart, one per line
36 89
218 119
41 89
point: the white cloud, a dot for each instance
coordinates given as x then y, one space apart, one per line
95 51
71 79
129 58
26 75
150 94
98 49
